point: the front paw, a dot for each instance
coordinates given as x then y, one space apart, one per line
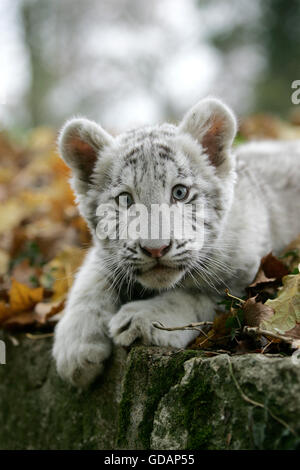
135 321
129 324
79 361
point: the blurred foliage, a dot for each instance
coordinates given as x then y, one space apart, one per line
276 34
42 236
281 37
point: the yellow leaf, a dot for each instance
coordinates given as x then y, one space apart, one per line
63 269
12 212
24 298
4 262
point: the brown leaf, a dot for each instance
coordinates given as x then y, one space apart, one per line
268 278
219 324
294 332
217 334
5 311
256 312
273 267
20 320
37 318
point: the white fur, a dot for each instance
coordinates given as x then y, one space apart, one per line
81 342
134 320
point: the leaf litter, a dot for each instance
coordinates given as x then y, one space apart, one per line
43 239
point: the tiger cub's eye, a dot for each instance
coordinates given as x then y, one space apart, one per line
180 192
124 200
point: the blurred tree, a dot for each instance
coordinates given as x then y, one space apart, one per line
270 29
42 76
52 34
84 56
281 39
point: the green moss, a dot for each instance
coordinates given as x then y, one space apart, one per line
134 365
164 376
190 408
161 375
196 401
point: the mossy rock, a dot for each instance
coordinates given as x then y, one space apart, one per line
151 398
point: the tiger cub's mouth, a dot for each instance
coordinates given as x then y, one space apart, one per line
160 276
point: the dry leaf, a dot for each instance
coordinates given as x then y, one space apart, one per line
24 298
63 269
294 332
46 310
218 333
269 275
5 311
286 306
256 312
20 320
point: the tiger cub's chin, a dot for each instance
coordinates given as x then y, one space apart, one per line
161 277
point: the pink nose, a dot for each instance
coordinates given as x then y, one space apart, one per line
156 252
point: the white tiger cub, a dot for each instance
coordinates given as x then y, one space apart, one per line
251 199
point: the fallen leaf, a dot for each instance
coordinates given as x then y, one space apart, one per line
273 267
62 270
294 332
286 306
256 312
219 333
20 321
269 276
5 311
45 310
24 298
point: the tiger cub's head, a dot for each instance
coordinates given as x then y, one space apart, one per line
135 189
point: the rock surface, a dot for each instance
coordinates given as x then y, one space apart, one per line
151 398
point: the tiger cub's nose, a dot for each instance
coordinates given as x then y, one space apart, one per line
156 252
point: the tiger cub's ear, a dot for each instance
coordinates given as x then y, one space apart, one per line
214 126
80 144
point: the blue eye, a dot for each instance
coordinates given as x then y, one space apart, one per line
180 192
124 200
